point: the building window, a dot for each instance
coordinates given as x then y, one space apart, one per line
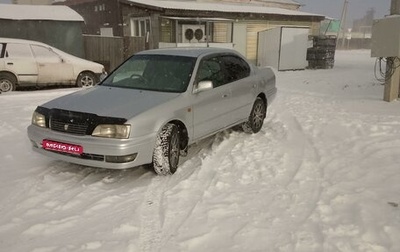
139 27
101 7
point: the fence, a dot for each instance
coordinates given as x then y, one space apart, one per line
111 51
354 44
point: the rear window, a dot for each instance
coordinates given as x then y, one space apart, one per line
18 51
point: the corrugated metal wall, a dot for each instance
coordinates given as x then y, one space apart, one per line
253 27
66 36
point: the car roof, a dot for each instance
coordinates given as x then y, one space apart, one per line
21 41
187 51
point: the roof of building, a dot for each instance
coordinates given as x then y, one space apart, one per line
266 1
38 12
221 7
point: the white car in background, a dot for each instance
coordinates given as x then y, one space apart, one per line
25 63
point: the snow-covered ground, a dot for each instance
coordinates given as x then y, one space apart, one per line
322 175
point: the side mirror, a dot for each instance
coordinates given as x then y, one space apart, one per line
203 86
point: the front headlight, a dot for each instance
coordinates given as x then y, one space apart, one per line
112 131
39 119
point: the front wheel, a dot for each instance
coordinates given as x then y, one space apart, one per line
167 150
256 118
7 82
86 79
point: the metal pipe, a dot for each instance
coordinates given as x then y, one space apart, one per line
343 21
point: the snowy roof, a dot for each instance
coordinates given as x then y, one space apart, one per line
38 12
267 1
221 7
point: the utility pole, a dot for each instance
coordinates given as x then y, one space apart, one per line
343 21
392 82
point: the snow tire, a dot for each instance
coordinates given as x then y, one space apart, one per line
256 118
167 150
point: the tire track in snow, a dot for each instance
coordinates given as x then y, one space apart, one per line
158 219
150 217
303 181
62 200
305 119
354 150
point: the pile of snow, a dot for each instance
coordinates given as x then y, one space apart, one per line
322 175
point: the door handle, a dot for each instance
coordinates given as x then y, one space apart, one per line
10 63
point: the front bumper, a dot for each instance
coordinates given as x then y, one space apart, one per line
95 149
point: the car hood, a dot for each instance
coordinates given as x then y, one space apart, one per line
111 101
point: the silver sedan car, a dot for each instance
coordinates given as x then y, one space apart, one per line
152 107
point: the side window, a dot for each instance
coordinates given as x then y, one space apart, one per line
44 54
2 50
18 51
210 69
236 68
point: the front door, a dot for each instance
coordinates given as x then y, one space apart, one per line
52 68
211 108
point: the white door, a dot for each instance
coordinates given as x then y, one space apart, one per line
240 38
293 51
52 68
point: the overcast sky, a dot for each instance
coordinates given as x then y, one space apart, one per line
333 8
356 8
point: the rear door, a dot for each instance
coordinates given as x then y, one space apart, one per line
18 59
243 86
52 68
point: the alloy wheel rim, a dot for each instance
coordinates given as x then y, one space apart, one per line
258 116
87 81
174 152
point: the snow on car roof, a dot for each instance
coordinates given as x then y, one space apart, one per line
38 12
21 41
222 7
186 51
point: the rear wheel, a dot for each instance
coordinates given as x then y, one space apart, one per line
8 82
167 150
256 118
86 79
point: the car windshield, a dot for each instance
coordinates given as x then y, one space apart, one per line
162 73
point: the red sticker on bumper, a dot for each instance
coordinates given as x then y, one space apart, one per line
62 147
